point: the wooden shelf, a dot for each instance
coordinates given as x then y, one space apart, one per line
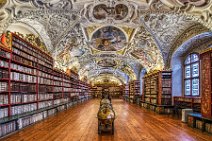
26 89
156 87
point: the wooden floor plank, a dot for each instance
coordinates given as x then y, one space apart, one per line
133 123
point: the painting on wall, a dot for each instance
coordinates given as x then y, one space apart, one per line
108 39
118 12
107 63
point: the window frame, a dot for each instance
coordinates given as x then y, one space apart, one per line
191 77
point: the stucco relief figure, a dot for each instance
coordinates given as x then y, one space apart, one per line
118 12
108 39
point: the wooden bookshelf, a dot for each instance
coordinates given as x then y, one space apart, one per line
125 91
134 90
96 91
188 102
157 91
206 84
115 91
31 89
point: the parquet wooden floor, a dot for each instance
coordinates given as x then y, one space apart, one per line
133 123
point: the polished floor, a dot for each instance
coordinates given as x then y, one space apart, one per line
133 123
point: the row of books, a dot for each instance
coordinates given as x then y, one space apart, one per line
40 61
23 98
185 99
208 127
20 109
71 90
4 74
22 77
23 69
197 100
4 64
154 92
46 75
4 54
23 54
58 78
45 58
45 88
166 90
71 94
3 112
18 44
7 128
3 86
67 84
22 60
154 101
58 96
44 104
43 68
23 46
61 108
167 96
66 80
58 83
46 81
166 101
25 121
166 83
147 99
58 89
58 101
3 99
22 87
51 112
45 96
199 124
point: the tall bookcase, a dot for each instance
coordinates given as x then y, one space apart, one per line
125 91
206 84
134 90
157 92
30 88
115 91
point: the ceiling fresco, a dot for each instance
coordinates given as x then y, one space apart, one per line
108 38
112 40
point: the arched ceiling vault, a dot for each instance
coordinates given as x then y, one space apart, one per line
110 38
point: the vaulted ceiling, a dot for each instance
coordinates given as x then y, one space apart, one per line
109 39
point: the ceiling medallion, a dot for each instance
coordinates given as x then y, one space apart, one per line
108 38
107 63
113 12
103 11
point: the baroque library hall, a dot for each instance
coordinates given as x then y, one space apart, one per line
105 70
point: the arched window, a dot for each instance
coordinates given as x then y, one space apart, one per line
191 75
